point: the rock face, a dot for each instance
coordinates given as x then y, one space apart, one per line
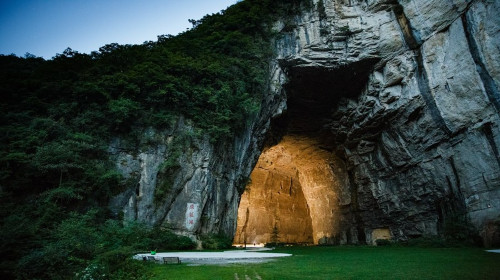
171 173
404 95
197 194
273 205
420 137
294 188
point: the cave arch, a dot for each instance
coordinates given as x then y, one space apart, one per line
295 188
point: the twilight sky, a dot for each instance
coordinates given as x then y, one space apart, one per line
47 27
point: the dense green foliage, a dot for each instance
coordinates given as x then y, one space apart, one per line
350 263
103 248
216 242
60 115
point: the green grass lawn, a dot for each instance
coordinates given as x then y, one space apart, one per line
351 263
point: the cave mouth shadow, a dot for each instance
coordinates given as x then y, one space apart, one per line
313 96
294 188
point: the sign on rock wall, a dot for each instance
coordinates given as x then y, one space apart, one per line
191 215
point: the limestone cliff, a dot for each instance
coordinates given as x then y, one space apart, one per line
404 95
416 117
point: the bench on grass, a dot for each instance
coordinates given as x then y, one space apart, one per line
171 260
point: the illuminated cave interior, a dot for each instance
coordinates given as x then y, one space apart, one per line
293 194
293 188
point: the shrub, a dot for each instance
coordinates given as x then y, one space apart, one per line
320 6
216 242
323 31
383 242
84 246
113 259
427 241
126 269
162 239
459 231
274 244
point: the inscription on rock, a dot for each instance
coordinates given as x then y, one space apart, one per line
192 215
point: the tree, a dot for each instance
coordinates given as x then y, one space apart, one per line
275 238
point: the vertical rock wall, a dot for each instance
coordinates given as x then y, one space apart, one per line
412 115
421 138
210 177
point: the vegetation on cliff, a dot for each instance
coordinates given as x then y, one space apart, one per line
60 115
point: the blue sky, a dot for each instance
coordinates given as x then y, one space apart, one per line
47 27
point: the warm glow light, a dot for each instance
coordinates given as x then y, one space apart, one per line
292 196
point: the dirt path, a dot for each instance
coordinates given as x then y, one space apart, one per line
226 257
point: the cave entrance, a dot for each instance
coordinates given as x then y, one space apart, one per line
295 186
292 195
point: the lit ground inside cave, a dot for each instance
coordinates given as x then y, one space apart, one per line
292 195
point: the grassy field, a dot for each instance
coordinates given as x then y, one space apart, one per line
351 263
